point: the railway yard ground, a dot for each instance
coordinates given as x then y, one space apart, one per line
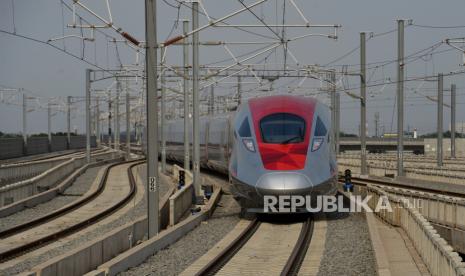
103 211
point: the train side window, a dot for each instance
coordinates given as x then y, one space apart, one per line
320 129
244 129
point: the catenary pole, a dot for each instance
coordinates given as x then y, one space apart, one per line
49 126
163 114
152 117
128 122
400 97
110 110
440 119
211 101
452 120
68 122
25 122
88 115
338 121
117 115
195 102
332 78
185 27
363 97
239 92
97 120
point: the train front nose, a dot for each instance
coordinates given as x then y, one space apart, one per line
283 183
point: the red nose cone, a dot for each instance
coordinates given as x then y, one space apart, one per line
283 156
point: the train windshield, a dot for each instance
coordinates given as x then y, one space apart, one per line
282 128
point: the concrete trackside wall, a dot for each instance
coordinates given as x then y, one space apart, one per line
59 143
11 148
79 142
37 145
438 256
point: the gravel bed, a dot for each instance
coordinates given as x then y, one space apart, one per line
132 215
80 186
348 249
177 257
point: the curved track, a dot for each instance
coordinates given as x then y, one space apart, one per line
115 190
75 153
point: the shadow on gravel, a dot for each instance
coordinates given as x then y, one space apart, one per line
284 218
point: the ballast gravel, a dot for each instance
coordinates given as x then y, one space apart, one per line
348 249
135 213
177 257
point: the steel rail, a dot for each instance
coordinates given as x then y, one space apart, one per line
300 249
25 161
20 250
226 254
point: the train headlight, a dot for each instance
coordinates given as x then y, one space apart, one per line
316 144
248 143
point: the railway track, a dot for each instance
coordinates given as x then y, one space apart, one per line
65 155
262 246
115 189
379 182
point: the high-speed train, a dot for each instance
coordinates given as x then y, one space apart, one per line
274 145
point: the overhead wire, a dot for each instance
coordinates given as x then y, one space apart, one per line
55 47
235 27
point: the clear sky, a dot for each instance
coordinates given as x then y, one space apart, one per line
50 73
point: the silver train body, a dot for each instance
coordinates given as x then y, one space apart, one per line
277 145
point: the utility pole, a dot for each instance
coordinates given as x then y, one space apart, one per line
195 102
128 122
376 124
239 92
185 47
49 126
400 98
68 122
88 116
117 115
97 119
163 114
152 117
440 118
363 98
452 120
25 123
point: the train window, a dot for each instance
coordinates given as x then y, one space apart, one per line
282 128
320 129
244 129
